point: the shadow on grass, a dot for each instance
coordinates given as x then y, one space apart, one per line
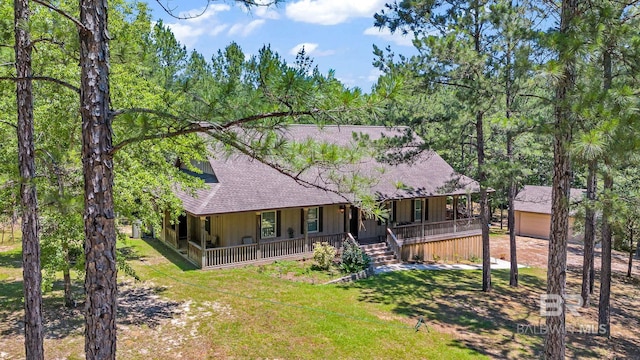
455 298
170 254
11 259
137 306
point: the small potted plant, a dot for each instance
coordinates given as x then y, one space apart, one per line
290 232
417 259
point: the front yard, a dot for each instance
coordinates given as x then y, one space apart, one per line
280 311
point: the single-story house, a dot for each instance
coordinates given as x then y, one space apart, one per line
249 211
532 207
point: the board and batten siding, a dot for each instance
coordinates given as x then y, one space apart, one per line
437 209
235 226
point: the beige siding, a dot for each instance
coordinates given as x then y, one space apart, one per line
532 224
233 227
538 225
437 209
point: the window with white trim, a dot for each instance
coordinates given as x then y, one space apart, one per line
268 224
417 210
312 220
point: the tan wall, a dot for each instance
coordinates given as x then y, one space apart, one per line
532 224
437 210
538 225
451 250
231 228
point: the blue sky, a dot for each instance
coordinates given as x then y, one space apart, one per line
337 34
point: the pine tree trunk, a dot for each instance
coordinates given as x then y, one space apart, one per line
588 270
32 275
484 204
630 252
604 310
554 345
513 278
100 234
604 307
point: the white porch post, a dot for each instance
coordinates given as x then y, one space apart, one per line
305 228
203 238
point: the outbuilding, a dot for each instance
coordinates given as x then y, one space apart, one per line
532 208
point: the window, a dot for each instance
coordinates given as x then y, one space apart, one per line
268 224
207 225
312 220
417 210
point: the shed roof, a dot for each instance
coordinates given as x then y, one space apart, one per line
537 199
242 184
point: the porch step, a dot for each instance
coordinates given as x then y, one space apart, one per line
380 254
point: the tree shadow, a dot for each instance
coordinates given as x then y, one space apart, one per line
169 254
12 259
454 299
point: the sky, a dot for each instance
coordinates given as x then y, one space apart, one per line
336 34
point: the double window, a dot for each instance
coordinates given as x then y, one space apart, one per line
268 224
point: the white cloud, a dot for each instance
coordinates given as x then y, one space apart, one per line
267 13
385 34
374 74
244 30
188 31
218 29
332 12
310 49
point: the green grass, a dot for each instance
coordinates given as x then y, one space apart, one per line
259 312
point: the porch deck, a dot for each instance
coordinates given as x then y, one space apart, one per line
229 256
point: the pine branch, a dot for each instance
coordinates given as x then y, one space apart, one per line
44 78
8 124
195 127
63 13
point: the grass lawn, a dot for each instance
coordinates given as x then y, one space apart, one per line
262 312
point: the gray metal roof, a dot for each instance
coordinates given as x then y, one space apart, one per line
537 199
243 184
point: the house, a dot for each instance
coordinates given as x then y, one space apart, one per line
532 207
250 212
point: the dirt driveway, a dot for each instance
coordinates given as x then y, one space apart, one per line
534 252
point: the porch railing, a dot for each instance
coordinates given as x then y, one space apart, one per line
425 230
194 251
218 257
393 243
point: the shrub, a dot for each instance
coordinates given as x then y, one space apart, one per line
323 255
354 259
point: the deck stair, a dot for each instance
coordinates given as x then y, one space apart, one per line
380 254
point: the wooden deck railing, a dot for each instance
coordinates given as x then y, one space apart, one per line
393 243
223 256
194 252
425 230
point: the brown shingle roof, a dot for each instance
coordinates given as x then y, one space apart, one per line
537 199
243 184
